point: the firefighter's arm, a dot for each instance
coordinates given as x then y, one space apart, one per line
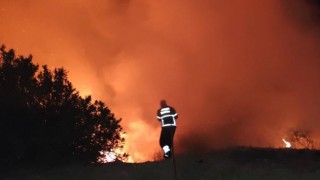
158 116
174 112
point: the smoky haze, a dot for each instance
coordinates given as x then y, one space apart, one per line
237 72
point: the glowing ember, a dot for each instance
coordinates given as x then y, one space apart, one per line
288 144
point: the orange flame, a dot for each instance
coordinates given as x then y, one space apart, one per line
287 144
112 155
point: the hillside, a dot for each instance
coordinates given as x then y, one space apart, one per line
238 164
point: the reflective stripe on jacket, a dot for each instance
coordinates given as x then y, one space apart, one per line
167 116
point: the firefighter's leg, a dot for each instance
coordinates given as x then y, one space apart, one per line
172 132
165 139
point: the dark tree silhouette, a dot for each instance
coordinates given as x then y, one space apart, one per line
43 117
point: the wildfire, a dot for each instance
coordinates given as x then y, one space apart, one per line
108 156
288 144
113 155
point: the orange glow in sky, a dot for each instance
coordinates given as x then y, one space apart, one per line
238 72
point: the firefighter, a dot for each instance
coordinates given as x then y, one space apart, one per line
167 116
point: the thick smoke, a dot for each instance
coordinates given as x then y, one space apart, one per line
237 72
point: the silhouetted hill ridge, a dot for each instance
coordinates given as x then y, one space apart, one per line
235 163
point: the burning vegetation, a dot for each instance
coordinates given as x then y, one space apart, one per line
300 139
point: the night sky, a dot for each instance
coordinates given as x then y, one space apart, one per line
237 72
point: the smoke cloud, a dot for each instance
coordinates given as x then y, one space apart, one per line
237 72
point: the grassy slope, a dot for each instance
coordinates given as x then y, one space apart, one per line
237 164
